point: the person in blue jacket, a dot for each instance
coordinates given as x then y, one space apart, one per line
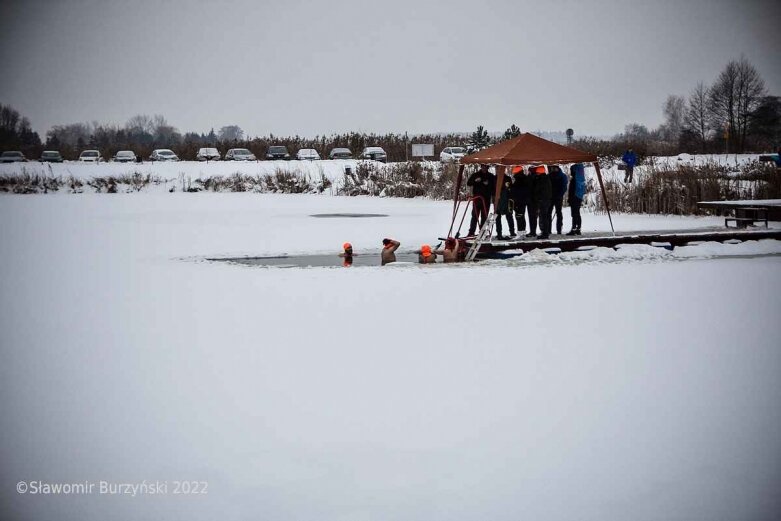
575 195
559 184
630 160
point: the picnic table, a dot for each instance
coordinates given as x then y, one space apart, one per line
746 213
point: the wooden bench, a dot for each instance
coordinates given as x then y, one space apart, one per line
747 217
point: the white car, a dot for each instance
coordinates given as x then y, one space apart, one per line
12 156
452 154
239 154
90 156
376 153
163 154
208 154
125 156
307 154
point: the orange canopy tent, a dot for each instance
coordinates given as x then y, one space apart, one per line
527 149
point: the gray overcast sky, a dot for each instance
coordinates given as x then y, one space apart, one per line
288 67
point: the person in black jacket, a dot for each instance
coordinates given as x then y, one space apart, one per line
541 195
519 193
558 181
503 209
483 184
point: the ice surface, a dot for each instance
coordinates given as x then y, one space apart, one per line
646 389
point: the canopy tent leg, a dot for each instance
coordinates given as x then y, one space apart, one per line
455 198
604 196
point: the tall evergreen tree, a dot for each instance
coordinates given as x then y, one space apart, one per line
479 138
512 132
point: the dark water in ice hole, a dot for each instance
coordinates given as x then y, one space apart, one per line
306 261
349 215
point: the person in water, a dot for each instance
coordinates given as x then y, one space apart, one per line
450 252
426 256
389 247
347 255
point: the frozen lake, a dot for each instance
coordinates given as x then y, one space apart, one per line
579 387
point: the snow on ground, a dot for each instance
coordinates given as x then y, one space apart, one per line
174 171
632 390
733 162
333 170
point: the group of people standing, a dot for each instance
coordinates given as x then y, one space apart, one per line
535 191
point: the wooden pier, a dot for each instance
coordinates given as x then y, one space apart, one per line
606 240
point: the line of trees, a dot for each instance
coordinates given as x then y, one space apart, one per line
142 134
16 132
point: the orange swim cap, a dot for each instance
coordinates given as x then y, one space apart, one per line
540 169
347 246
517 169
425 250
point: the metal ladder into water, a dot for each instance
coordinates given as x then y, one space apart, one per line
483 236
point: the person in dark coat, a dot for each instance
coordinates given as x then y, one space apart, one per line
558 181
541 195
575 195
504 209
483 184
519 194
630 160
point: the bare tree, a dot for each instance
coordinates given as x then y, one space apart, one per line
231 133
9 119
71 134
140 124
674 114
696 119
751 92
737 93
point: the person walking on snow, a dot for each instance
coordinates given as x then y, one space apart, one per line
630 160
558 181
483 184
575 195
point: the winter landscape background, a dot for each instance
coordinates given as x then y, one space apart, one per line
640 382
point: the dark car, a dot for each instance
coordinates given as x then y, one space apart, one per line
277 152
12 156
340 153
50 156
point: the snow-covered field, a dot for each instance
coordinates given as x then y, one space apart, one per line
555 389
173 172
333 170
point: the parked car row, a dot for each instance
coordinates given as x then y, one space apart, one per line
448 155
